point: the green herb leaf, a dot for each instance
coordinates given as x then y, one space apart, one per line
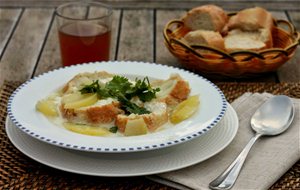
113 129
135 109
144 90
131 107
122 89
91 88
103 93
95 88
119 84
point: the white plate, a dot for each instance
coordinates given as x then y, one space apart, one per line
129 164
21 109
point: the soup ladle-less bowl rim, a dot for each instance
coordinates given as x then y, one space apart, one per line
272 118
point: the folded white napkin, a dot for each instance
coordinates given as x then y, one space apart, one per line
268 160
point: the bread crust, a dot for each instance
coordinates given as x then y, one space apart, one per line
153 120
248 40
95 115
251 19
84 78
205 37
210 26
159 108
216 15
181 90
178 92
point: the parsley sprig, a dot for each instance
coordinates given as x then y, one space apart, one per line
122 89
113 129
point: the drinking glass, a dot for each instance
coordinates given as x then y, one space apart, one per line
84 31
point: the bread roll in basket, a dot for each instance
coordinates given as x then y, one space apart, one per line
240 63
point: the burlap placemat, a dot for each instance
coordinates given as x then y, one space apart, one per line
20 172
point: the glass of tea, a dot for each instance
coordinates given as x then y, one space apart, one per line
84 30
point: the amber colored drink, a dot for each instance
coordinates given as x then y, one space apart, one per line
84 42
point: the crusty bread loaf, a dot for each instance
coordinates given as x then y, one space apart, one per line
251 19
173 90
248 40
250 29
78 81
207 17
98 114
205 37
153 120
102 112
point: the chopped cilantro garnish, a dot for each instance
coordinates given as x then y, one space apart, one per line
95 88
130 107
113 129
122 89
143 90
119 84
91 88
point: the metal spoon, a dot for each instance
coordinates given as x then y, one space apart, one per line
272 118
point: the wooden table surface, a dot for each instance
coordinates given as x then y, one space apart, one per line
29 42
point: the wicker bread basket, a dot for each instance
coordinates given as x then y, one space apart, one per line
234 64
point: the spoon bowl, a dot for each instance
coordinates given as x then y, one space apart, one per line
274 116
271 118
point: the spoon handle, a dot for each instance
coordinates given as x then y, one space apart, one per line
229 176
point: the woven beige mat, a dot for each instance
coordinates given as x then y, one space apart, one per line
20 172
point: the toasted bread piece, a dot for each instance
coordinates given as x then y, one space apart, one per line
107 111
251 19
205 37
153 120
77 82
103 112
173 90
207 17
248 40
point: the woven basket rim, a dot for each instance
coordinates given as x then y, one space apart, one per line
294 36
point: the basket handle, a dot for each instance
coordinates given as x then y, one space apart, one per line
167 30
293 33
291 27
297 36
182 44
